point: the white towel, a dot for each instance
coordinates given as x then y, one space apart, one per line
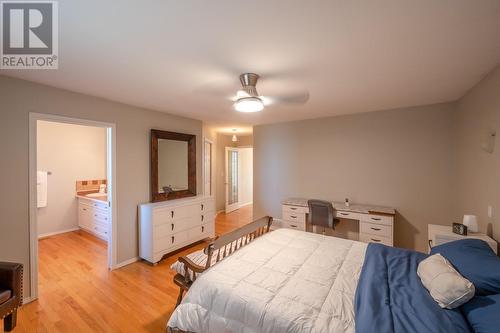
41 188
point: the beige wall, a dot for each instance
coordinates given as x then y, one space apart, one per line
18 98
478 172
399 158
222 142
70 153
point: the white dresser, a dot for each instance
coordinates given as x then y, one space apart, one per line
170 225
376 224
93 216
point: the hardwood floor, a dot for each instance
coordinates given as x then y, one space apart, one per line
77 293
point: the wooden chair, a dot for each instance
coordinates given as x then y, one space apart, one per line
217 250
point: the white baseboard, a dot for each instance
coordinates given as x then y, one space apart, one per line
27 300
125 263
48 234
246 204
220 212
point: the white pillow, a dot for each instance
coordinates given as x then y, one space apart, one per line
448 288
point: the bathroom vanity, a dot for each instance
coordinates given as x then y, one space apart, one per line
93 215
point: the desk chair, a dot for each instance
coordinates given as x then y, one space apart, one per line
321 214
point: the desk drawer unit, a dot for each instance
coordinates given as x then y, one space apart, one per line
366 238
377 219
294 217
293 225
375 229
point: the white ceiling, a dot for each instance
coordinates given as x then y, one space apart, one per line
352 56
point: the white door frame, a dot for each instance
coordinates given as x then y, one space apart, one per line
236 205
203 165
110 174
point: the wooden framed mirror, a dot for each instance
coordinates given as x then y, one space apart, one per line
173 165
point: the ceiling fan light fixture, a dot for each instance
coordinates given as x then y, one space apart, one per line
249 104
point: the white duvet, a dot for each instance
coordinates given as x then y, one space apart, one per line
285 281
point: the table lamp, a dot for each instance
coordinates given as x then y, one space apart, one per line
471 222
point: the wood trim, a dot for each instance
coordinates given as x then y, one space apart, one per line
191 140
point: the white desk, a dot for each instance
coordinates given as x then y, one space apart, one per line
376 224
440 234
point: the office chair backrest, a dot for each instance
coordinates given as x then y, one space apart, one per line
321 213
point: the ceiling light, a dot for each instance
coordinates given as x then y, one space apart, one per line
249 104
234 138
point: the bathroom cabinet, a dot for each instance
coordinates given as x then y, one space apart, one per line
93 216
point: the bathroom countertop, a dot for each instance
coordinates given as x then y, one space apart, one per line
103 198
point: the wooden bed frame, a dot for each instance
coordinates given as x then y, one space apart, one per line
221 247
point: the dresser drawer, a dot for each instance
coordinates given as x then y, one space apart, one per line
294 217
167 242
379 219
366 238
204 230
206 217
166 229
293 225
166 215
206 206
375 229
295 209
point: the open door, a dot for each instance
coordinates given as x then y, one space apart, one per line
232 184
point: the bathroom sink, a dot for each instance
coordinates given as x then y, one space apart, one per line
96 195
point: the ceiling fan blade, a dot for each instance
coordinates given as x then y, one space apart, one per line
219 89
297 98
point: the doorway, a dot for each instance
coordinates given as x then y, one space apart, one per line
72 168
239 177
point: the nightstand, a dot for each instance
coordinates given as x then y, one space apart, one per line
440 234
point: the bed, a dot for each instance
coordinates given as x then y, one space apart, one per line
294 281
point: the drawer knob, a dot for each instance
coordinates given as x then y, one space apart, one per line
376 218
293 226
202 206
293 216
173 239
172 226
293 208
202 229
376 229
202 217
345 214
172 212
375 240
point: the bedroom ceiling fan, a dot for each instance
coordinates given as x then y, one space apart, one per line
248 99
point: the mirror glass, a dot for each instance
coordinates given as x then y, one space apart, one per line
172 165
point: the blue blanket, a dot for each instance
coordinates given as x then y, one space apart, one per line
391 298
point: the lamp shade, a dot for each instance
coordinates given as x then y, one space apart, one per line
471 222
249 104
